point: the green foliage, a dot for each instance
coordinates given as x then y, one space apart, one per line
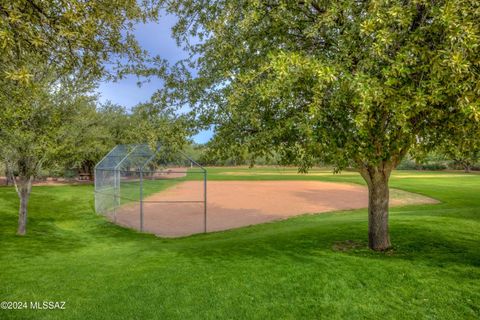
352 83
52 52
92 133
464 146
33 124
161 124
430 161
70 36
90 130
209 155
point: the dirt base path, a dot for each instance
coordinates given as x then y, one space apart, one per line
233 204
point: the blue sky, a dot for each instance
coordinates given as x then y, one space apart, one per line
154 37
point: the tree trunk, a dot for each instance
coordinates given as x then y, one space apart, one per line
8 175
378 199
467 167
24 188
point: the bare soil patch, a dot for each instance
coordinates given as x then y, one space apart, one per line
234 204
52 182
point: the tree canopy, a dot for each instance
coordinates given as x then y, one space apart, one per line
85 37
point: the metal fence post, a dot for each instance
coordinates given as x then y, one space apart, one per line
115 207
115 191
141 200
205 199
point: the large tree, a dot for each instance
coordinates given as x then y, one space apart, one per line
48 51
355 83
33 133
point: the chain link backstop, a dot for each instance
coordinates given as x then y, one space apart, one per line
151 190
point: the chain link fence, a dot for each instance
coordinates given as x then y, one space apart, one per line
156 191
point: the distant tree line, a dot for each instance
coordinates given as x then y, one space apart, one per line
91 131
444 158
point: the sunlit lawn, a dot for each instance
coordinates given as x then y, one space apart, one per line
313 266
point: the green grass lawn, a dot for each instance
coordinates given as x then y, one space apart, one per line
312 266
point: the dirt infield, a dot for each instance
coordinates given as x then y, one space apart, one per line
233 204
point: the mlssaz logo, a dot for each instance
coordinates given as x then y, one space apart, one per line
47 305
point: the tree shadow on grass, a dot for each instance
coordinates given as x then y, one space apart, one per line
66 227
56 223
311 240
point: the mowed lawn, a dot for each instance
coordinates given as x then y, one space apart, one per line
312 266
